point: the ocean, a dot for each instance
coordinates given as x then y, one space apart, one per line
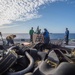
61 36
52 35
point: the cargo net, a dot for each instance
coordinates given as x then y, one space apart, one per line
39 38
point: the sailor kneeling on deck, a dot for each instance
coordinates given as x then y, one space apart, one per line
10 39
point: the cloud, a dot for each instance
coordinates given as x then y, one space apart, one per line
20 10
7 26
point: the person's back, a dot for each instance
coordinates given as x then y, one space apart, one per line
31 31
10 39
46 36
67 36
67 33
46 33
38 30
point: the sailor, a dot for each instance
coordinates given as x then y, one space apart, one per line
38 30
38 38
46 36
10 39
0 33
2 39
31 34
66 36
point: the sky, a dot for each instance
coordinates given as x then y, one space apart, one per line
18 16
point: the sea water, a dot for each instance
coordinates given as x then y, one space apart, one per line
52 35
61 36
